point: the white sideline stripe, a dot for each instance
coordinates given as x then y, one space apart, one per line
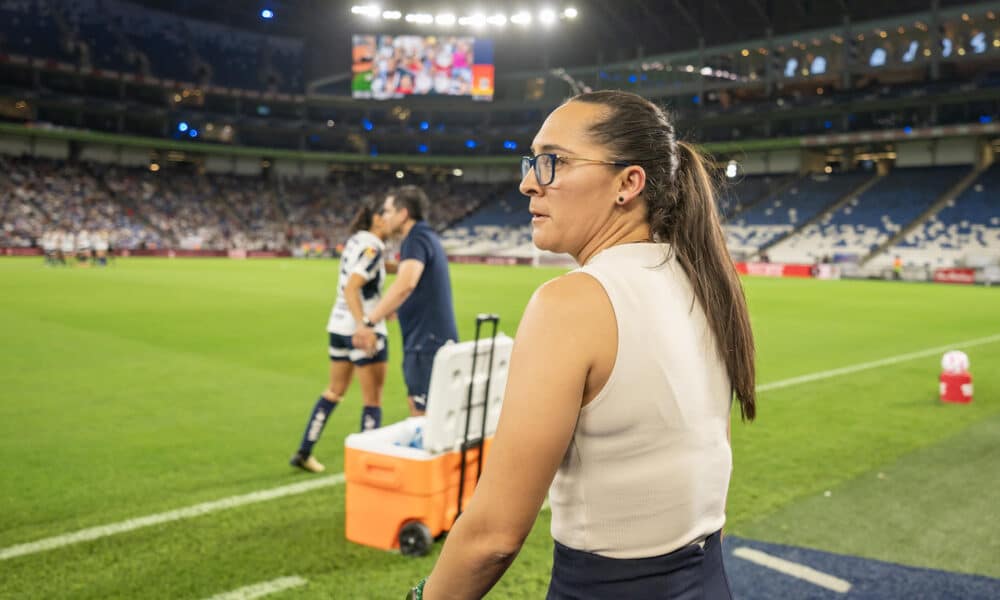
262 589
796 570
876 363
94 533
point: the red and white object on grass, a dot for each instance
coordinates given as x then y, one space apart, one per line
955 381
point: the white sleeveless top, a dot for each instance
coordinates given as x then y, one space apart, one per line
648 467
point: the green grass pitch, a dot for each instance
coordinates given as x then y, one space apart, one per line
159 384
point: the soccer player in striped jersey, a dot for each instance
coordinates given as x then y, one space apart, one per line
362 276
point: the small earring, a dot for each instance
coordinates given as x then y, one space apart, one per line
621 200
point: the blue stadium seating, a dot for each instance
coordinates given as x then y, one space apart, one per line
116 35
966 230
768 221
871 219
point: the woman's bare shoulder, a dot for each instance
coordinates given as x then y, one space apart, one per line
569 298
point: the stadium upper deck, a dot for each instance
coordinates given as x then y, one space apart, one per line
118 67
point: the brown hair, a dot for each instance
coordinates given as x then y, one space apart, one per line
681 211
362 220
413 199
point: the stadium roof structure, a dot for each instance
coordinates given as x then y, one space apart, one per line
605 30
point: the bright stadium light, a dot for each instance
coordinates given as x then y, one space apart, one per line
732 169
366 10
420 18
570 13
547 16
400 174
457 172
476 20
445 19
498 19
521 18
392 15
267 14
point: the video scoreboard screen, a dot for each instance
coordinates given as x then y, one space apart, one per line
398 66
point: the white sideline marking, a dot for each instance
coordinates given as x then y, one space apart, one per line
788 567
262 589
93 533
875 363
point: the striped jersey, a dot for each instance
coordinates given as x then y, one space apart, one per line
364 254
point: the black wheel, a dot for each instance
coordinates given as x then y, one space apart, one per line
415 539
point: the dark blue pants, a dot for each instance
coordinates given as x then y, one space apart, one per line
690 573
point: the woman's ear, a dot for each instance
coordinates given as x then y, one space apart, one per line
632 180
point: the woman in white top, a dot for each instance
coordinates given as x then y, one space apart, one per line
359 288
623 372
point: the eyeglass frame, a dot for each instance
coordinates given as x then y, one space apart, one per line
530 163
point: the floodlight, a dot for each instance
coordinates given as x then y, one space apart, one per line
367 10
521 18
420 18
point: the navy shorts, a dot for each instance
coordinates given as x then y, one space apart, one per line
417 367
341 349
693 572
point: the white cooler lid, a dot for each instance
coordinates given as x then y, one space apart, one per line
448 394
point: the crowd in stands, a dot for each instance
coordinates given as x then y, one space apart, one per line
183 209
790 218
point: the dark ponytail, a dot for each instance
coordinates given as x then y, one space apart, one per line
701 250
682 211
362 220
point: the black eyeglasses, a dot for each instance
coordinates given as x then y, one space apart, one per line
545 165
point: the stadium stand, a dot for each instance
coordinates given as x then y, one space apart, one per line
966 229
187 210
871 218
777 216
119 36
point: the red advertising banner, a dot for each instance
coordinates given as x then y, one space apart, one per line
774 270
960 276
21 251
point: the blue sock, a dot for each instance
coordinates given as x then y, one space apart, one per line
371 418
317 421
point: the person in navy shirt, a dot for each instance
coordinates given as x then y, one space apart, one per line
421 293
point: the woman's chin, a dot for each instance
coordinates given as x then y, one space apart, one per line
540 240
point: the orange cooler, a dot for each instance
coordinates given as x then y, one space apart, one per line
398 492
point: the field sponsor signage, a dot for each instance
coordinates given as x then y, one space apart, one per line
774 269
21 251
489 260
960 276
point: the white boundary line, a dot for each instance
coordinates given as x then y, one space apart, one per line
796 570
259 590
876 363
93 533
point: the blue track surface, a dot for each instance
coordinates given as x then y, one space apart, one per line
869 579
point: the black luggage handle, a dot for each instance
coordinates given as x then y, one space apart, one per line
481 318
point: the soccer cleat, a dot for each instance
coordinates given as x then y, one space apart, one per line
307 463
